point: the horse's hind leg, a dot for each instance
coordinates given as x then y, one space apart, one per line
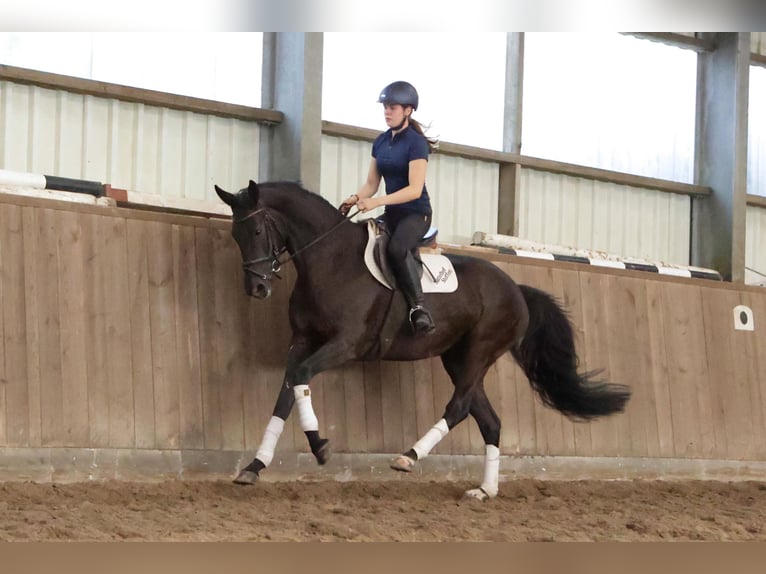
466 367
489 425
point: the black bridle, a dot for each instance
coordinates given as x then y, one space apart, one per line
274 251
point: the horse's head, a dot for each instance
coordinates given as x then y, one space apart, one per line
257 236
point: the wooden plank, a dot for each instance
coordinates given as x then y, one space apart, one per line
505 404
423 389
685 348
334 412
187 352
113 232
373 406
162 322
596 319
393 440
47 277
659 409
211 409
95 331
354 399
72 313
566 287
525 397
409 412
32 255
13 317
727 368
549 422
629 360
140 333
753 343
231 341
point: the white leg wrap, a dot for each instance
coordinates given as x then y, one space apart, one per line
431 439
491 470
306 414
270 437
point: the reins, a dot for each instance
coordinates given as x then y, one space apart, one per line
276 264
325 234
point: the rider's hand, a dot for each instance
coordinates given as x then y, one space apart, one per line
346 206
367 203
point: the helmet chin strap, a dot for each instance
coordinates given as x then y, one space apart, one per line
401 125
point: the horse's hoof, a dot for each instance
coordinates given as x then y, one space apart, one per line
323 452
478 494
246 477
403 464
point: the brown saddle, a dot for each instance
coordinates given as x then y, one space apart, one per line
428 241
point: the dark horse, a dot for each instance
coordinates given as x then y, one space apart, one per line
338 311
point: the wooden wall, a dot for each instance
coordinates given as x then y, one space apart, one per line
131 330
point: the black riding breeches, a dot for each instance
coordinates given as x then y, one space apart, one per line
406 231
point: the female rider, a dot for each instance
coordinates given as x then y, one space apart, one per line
400 157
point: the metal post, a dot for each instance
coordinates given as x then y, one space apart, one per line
292 84
718 222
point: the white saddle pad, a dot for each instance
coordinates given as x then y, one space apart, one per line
438 273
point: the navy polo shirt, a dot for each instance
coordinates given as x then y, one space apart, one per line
393 157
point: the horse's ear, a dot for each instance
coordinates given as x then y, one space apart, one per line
253 192
228 198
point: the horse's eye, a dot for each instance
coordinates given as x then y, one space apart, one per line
257 230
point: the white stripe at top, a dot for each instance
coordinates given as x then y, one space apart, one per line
22 179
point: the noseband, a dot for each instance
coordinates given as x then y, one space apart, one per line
274 252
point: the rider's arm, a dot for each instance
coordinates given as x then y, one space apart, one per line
417 178
369 187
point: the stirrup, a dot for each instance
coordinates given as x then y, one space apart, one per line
424 323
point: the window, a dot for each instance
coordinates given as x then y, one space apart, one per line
610 101
216 66
756 143
460 78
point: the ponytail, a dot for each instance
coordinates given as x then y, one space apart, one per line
433 143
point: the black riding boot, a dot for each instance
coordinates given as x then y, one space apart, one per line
409 281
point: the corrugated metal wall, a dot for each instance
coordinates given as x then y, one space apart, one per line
134 146
182 154
554 209
463 191
628 221
758 43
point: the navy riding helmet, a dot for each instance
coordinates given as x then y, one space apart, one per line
402 93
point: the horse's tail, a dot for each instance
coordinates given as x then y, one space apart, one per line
548 358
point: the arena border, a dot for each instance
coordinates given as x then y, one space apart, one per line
70 465
51 182
510 245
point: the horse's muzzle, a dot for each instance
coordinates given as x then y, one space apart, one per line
258 290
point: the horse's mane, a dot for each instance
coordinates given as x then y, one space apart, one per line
318 204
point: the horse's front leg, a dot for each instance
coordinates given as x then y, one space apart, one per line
302 366
298 352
